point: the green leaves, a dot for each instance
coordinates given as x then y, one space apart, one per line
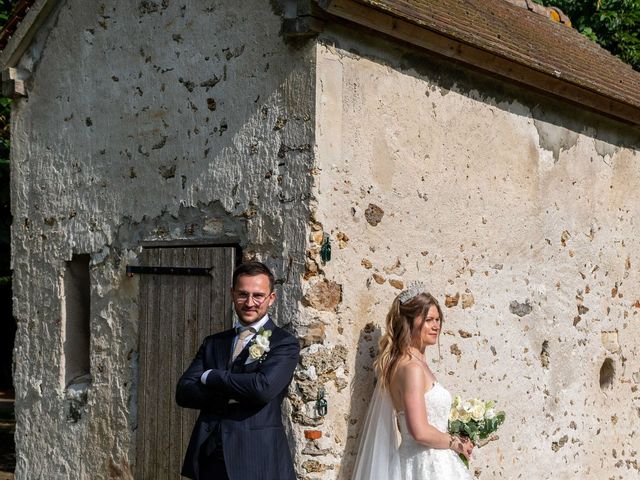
477 430
491 425
588 32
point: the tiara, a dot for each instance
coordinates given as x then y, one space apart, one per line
414 289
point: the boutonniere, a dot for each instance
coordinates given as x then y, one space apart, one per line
260 346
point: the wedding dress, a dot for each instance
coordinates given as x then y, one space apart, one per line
419 462
385 456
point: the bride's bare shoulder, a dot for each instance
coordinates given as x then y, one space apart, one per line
408 368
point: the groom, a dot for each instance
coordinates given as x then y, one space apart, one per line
238 380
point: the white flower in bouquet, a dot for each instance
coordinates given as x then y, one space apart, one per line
453 414
474 419
477 410
464 416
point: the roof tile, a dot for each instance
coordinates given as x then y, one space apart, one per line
522 36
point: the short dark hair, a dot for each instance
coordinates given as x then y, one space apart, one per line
252 269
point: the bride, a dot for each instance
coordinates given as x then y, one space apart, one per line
408 398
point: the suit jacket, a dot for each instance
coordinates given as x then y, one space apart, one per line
250 427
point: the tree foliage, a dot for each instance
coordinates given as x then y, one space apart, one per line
614 24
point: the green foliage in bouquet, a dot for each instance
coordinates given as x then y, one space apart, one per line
474 419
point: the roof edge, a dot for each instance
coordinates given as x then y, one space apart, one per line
508 69
26 30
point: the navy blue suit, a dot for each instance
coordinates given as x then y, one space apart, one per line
248 435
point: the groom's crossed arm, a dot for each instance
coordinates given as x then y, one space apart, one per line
271 377
190 393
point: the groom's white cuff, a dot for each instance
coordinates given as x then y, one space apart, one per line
203 377
203 380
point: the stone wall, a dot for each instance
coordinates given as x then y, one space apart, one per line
158 121
145 121
519 213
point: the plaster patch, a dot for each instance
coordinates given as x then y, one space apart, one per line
382 162
555 138
604 149
610 341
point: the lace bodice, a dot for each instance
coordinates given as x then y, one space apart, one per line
438 401
418 462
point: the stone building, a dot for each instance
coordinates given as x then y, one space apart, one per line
477 145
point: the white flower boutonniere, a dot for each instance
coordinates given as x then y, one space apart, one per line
260 346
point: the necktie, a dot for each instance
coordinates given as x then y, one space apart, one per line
242 336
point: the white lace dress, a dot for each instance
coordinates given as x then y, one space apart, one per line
418 462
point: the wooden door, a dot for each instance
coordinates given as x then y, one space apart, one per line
176 313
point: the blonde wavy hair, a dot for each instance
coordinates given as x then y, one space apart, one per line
394 344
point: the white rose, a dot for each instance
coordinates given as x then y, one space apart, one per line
467 407
489 414
256 351
464 416
477 412
263 342
454 415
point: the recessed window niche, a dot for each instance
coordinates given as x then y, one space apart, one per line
75 310
607 374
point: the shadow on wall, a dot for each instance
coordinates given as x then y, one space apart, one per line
362 386
557 121
446 76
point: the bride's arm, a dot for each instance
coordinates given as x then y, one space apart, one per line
413 385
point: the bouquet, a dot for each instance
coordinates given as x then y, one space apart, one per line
474 419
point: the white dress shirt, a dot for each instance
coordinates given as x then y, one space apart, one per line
256 326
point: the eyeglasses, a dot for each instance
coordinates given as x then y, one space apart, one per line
255 298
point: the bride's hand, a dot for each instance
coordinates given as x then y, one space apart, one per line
468 446
463 446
